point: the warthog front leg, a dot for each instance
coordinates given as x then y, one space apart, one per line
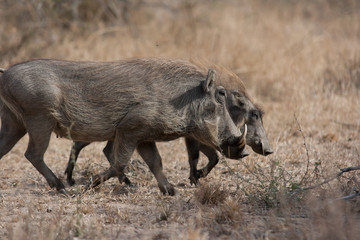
194 148
109 156
101 177
149 152
74 153
213 157
120 155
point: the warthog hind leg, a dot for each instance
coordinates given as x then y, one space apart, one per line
39 136
149 152
10 133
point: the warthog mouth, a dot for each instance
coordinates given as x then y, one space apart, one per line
235 147
242 139
238 142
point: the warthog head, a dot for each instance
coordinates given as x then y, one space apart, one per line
220 128
242 110
244 113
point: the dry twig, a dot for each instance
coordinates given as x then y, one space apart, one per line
307 151
348 197
342 171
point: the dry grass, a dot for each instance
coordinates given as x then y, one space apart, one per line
297 58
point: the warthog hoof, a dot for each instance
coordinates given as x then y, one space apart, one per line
63 191
88 185
68 173
123 179
194 180
167 189
194 177
94 181
58 185
70 181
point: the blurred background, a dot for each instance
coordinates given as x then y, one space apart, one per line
299 60
282 49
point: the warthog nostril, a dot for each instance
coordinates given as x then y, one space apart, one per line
268 151
265 148
244 153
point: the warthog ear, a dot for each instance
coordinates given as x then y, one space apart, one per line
210 80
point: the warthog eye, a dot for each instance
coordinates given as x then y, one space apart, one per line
222 92
220 95
255 115
241 103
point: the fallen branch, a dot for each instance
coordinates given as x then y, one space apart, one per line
342 171
348 197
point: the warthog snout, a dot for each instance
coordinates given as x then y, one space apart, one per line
262 146
267 150
244 153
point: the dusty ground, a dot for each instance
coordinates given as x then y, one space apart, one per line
299 60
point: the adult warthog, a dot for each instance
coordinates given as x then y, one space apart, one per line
242 110
132 102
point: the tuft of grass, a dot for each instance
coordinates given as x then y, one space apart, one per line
210 194
228 212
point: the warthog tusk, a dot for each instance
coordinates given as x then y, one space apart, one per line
242 140
241 123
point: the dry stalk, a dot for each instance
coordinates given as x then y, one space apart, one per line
307 152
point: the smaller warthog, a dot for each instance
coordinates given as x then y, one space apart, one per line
242 110
133 103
